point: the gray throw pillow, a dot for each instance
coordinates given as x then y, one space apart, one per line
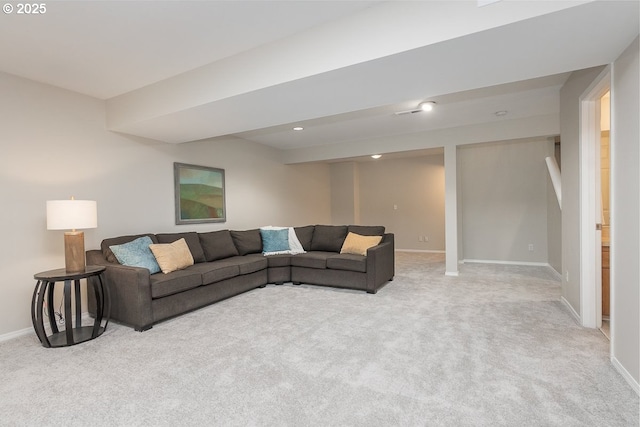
247 242
192 239
217 245
328 238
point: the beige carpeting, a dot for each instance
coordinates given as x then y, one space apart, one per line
493 346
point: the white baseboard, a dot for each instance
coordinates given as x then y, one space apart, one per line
555 273
626 375
16 334
575 315
426 251
86 319
616 364
491 261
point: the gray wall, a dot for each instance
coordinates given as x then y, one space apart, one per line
625 238
366 193
554 221
54 145
625 222
570 93
345 203
504 200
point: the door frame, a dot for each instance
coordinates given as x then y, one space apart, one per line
590 241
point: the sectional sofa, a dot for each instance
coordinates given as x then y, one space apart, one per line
228 262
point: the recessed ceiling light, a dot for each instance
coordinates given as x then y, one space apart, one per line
427 105
298 128
376 156
500 113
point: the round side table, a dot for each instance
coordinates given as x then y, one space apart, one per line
72 333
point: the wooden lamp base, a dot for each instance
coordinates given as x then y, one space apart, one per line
74 261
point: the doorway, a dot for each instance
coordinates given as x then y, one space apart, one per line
605 166
591 201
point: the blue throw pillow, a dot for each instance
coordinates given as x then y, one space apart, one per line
275 240
136 253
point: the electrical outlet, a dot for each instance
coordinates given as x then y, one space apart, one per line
420 239
426 238
530 247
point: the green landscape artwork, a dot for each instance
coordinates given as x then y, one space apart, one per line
199 194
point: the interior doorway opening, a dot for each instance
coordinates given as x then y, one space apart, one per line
605 174
591 211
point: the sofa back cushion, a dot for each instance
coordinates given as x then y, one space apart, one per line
108 254
305 235
328 238
192 239
247 242
367 230
217 245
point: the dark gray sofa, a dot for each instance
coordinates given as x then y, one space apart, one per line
229 262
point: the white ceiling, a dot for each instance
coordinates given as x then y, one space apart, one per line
179 71
106 48
526 98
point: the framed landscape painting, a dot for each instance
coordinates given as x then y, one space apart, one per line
199 194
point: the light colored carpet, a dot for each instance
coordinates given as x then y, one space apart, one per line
491 347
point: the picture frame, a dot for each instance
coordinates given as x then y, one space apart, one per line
199 194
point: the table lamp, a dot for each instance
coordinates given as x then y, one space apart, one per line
72 214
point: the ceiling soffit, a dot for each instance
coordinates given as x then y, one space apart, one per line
187 107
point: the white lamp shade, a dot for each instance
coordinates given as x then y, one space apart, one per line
71 214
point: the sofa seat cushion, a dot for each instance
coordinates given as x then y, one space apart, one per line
316 259
247 264
349 262
283 260
174 282
213 272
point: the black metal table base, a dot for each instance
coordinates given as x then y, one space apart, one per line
74 332
82 334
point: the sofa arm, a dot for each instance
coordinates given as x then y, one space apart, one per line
129 291
380 263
